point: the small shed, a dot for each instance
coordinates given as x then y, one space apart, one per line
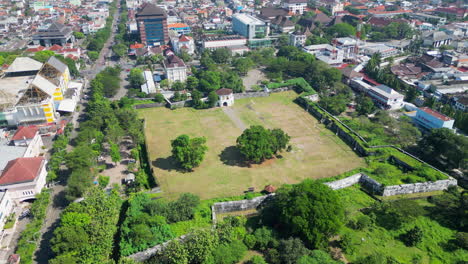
270 188
226 97
130 178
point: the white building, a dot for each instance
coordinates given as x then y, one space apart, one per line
386 98
175 68
384 50
226 97
24 177
148 87
327 53
6 207
183 43
212 43
295 6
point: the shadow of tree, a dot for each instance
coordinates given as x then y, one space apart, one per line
231 156
168 164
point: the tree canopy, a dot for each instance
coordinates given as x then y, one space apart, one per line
258 143
189 152
309 210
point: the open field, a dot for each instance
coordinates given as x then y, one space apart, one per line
316 153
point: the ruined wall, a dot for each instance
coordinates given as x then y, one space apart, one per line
148 253
250 94
418 187
140 106
346 182
242 205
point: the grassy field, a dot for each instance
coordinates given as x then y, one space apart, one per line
317 152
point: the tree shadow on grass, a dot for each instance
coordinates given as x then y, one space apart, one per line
231 156
168 164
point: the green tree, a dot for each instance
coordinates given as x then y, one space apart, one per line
78 35
120 49
185 56
93 55
291 250
443 144
209 81
135 77
200 245
317 257
341 30
175 253
412 237
254 144
310 210
115 152
334 104
103 181
365 105
243 65
229 253
256 260
221 55
164 83
191 83
189 153
43 55
212 99
159 98
178 86
279 139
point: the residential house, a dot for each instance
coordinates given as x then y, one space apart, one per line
282 24
437 39
386 98
24 177
183 43
298 38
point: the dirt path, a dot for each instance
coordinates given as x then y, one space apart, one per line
253 77
234 118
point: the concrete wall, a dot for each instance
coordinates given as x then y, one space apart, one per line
418 187
140 106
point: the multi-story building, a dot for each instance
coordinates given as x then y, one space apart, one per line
6 207
386 98
175 68
183 43
32 91
295 6
212 43
152 25
56 33
298 38
429 119
180 28
250 26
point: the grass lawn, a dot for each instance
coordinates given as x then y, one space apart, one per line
317 152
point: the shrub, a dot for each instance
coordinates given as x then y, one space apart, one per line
412 237
256 260
462 240
265 238
250 241
103 181
229 253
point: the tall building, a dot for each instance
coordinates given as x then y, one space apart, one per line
249 26
152 25
295 6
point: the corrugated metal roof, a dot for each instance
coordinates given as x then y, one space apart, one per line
57 64
24 64
44 84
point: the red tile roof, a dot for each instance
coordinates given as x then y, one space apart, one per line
25 132
55 47
137 46
436 114
224 91
177 25
184 38
21 170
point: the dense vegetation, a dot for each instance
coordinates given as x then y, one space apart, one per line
87 229
147 221
29 238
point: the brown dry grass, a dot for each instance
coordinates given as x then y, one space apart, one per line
317 152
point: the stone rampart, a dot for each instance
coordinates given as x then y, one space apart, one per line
418 187
250 94
150 252
346 182
242 205
141 106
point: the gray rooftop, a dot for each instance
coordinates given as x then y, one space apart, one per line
9 153
24 64
57 64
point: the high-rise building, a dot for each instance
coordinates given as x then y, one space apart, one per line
152 25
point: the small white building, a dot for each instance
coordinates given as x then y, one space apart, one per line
24 178
226 97
295 6
148 87
175 68
183 43
6 207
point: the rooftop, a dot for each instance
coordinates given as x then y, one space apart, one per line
9 153
224 91
24 64
11 90
25 133
149 9
21 170
248 19
435 114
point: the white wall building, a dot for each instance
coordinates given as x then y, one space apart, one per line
175 68
24 177
386 98
226 97
224 42
295 6
148 87
6 207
